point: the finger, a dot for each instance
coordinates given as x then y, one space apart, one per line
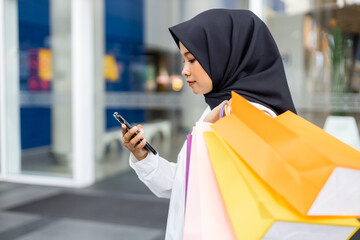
141 144
130 133
123 129
140 127
125 137
125 143
137 138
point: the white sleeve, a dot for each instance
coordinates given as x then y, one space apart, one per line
156 173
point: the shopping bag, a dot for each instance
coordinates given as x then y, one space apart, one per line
205 213
258 212
188 152
294 159
341 192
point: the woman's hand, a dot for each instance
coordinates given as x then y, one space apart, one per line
136 147
213 116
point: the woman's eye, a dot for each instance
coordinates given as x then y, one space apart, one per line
190 61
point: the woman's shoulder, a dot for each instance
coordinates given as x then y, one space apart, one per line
205 112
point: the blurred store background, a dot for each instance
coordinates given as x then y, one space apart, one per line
127 62
67 65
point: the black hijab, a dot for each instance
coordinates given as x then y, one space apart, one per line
238 53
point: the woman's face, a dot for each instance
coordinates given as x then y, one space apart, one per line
196 76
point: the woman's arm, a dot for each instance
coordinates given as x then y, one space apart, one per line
156 172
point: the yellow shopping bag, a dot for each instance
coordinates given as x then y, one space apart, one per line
258 212
299 161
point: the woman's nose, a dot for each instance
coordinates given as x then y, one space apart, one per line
185 72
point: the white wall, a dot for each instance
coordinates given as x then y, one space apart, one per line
159 16
162 14
288 34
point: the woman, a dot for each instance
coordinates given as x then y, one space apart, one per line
223 51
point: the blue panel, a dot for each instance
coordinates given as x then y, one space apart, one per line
124 20
35 127
124 40
34 33
35 12
34 22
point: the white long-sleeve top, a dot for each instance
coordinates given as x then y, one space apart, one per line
167 180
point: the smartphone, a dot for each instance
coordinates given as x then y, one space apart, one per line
122 120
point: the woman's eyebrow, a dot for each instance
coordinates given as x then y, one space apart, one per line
186 54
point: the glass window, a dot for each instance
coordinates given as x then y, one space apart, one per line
319 43
44 89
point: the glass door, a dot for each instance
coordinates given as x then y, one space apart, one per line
47 126
44 38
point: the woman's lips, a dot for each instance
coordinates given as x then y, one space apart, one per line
191 83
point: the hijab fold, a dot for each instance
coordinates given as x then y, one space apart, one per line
239 54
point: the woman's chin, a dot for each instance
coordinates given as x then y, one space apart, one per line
196 92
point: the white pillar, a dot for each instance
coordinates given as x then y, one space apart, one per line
60 22
99 81
9 91
257 7
2 91
82 62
